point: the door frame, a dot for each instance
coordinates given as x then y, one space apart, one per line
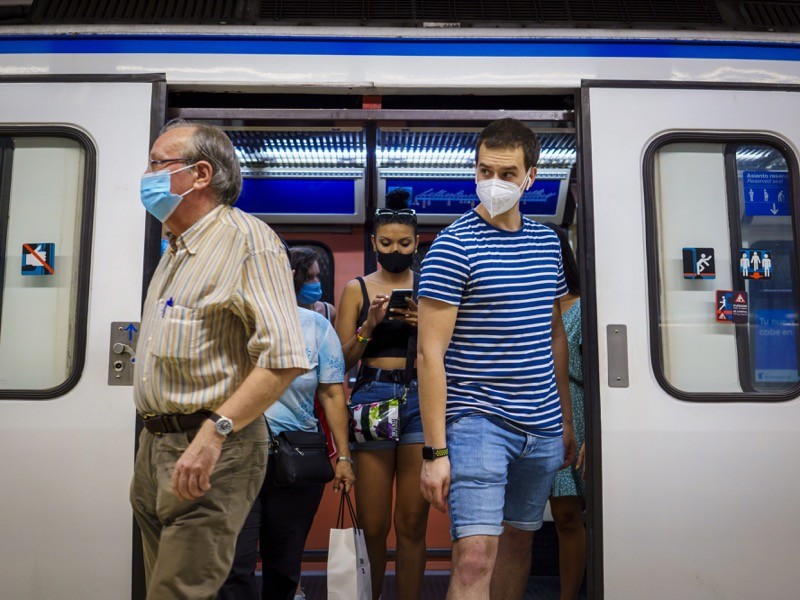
157 110
150 258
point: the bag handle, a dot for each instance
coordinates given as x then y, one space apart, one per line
340 519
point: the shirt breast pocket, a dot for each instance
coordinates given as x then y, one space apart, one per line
179 334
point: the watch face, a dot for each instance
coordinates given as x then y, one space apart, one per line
431 453
224 426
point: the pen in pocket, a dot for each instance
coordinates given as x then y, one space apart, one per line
169 302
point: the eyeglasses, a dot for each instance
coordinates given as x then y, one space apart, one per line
388 215
165 161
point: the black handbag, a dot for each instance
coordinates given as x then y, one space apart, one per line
301 458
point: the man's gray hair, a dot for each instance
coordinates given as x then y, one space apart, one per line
210 143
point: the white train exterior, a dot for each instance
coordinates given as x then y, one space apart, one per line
694 492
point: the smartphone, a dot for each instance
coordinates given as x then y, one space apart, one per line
398 300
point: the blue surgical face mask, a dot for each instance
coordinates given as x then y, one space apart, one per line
156 195
309 293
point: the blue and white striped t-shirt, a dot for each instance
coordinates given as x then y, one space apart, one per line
504 283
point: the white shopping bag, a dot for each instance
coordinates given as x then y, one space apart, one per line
348 564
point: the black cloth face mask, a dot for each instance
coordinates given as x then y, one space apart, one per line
395 262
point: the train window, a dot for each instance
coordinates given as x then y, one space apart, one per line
44 203
723 268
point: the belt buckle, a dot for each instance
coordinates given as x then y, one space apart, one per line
152 417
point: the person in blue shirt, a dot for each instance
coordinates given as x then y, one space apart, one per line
307 285
282 516
493 379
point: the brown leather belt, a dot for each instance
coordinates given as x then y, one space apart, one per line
178 423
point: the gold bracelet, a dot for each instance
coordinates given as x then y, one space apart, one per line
361 338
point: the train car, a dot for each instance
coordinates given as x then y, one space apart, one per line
670 150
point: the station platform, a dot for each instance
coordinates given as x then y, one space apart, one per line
435 587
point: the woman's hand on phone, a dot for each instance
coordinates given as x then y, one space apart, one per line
376 312
408 315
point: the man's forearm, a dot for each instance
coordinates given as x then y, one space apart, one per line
258 392
432 398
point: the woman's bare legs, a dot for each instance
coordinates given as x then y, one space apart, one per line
568 515
374 491
410 523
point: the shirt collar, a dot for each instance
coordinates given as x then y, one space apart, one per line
191 237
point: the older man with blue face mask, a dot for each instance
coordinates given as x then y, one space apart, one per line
219 343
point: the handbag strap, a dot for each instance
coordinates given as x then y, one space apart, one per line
340 519
273 442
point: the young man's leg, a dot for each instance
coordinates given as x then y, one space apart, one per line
530 479
473 562
480 452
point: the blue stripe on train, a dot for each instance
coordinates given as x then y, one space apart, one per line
367 46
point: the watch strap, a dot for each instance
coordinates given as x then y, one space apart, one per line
440 452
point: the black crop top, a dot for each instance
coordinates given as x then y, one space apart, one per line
390 337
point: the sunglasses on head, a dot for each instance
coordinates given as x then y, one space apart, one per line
388 215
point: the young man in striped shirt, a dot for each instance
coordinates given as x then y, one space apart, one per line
493 358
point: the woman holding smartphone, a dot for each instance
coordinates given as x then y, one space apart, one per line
382 339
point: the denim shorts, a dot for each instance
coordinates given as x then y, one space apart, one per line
498 474
410 420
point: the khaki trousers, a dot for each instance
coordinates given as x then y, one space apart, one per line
189 544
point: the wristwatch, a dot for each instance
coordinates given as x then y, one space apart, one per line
345 459
223 425
431 453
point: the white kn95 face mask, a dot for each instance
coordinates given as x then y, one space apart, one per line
498 196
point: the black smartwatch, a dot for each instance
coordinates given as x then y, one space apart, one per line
431 453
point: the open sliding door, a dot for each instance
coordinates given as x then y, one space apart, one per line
693 308
72 234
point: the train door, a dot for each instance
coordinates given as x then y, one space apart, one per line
71 233
318 175
691 221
